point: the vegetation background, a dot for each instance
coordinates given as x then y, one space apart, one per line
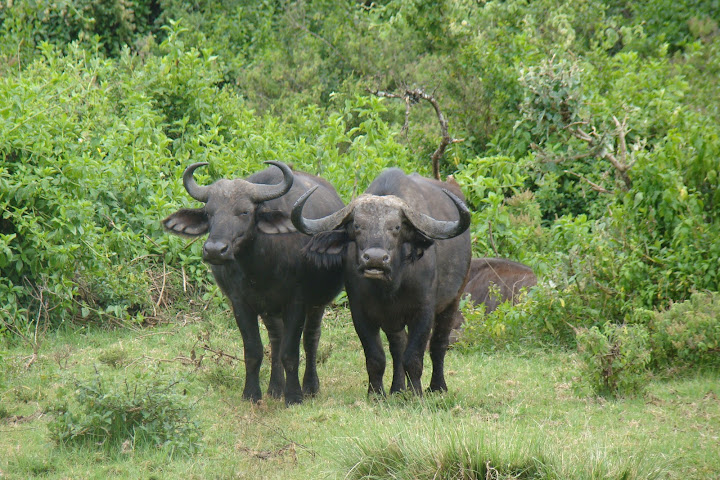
590 143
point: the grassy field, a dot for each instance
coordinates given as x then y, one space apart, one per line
513 414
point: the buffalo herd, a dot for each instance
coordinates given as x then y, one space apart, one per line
281 245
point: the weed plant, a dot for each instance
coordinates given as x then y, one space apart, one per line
129 414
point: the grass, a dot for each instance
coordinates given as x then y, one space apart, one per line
507 415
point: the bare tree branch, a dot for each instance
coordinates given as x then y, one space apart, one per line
492 239
619 159
594 186
413 96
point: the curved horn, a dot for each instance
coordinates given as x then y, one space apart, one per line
325 224
261 193
440 229
199 193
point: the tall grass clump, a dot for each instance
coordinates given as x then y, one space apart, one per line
437 451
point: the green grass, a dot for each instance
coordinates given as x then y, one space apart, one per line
507 415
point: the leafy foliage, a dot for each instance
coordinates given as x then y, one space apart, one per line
615 359
688 333
143 412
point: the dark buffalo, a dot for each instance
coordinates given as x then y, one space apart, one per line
492 281
406 253
255 256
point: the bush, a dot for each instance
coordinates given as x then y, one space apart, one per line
143 412
109 24
615 359
688 333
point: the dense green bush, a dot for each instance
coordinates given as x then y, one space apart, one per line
137 413
615 359
109 24
688 333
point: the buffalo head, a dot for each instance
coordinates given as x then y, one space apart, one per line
230 214
385 230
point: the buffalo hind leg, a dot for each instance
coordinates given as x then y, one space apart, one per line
274 327
439 345
311 339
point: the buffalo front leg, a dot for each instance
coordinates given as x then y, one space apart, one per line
311 339
418 335
290 350
247 322
369 335
398 343
274 327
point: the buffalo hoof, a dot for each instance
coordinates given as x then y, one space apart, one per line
293 399
311 386
275 391
376 394
254 397
311 391
437 388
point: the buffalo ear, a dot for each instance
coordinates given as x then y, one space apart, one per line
327 249
274 221
186 221
417 245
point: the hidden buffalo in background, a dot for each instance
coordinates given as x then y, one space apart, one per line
254 253
492 281
406 253
507 277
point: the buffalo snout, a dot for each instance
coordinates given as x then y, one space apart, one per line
217 252
375 262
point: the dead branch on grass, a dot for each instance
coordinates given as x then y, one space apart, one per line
269 454
203 342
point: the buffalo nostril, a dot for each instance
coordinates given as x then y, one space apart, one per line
386 258
214 249
366 257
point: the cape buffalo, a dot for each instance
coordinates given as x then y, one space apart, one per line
406 253
255 256
492 281
507 276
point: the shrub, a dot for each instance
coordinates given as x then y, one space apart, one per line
113 24
614 359
688 333
546 315
140 412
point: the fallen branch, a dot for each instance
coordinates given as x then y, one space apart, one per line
203 342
